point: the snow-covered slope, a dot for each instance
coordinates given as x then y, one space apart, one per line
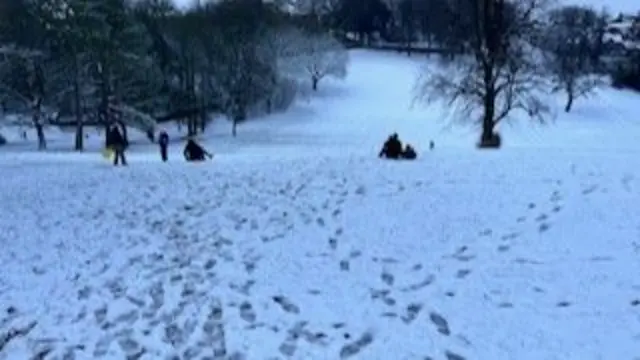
296 242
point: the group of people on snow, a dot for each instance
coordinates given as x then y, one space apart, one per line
392 149
117 143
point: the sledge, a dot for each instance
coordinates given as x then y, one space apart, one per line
107 153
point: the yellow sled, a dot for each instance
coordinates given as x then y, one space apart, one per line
107 153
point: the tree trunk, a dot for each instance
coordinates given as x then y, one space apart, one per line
37 123
489 139
203 120
570 98
151 135
239 115
192 129
79 141
569 105
314 83
202 113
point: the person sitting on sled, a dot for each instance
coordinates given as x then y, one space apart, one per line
194 152
392 148
409 153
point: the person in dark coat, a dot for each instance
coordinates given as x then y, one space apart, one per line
163 141
194 152
409 153
392 148
117 143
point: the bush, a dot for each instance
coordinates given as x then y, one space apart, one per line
3 141
626 80
626 76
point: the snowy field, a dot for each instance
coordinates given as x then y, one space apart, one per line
296 242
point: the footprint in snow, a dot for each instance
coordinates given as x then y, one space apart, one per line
442 325
387 278
131 347
289 346
428 280
486 232
412 312
542 217
453 356
247 313
102 346
556 197
510 236
355 347
100 314
344 265
505 305
213 331
461 274
286 304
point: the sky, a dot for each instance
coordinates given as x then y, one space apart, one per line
614 6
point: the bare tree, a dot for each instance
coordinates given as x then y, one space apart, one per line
569 45
316 56
499 74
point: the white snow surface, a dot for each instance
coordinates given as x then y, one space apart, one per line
297 242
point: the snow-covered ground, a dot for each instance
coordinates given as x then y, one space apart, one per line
296 242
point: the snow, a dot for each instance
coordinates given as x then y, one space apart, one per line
297 242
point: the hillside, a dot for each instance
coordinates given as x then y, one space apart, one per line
296 242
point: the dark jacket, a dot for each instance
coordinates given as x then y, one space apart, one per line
163 139
409 153
392 148
194 152
115 138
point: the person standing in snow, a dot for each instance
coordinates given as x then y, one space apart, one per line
163 140
116 142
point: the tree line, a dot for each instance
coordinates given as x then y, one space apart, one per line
88 61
